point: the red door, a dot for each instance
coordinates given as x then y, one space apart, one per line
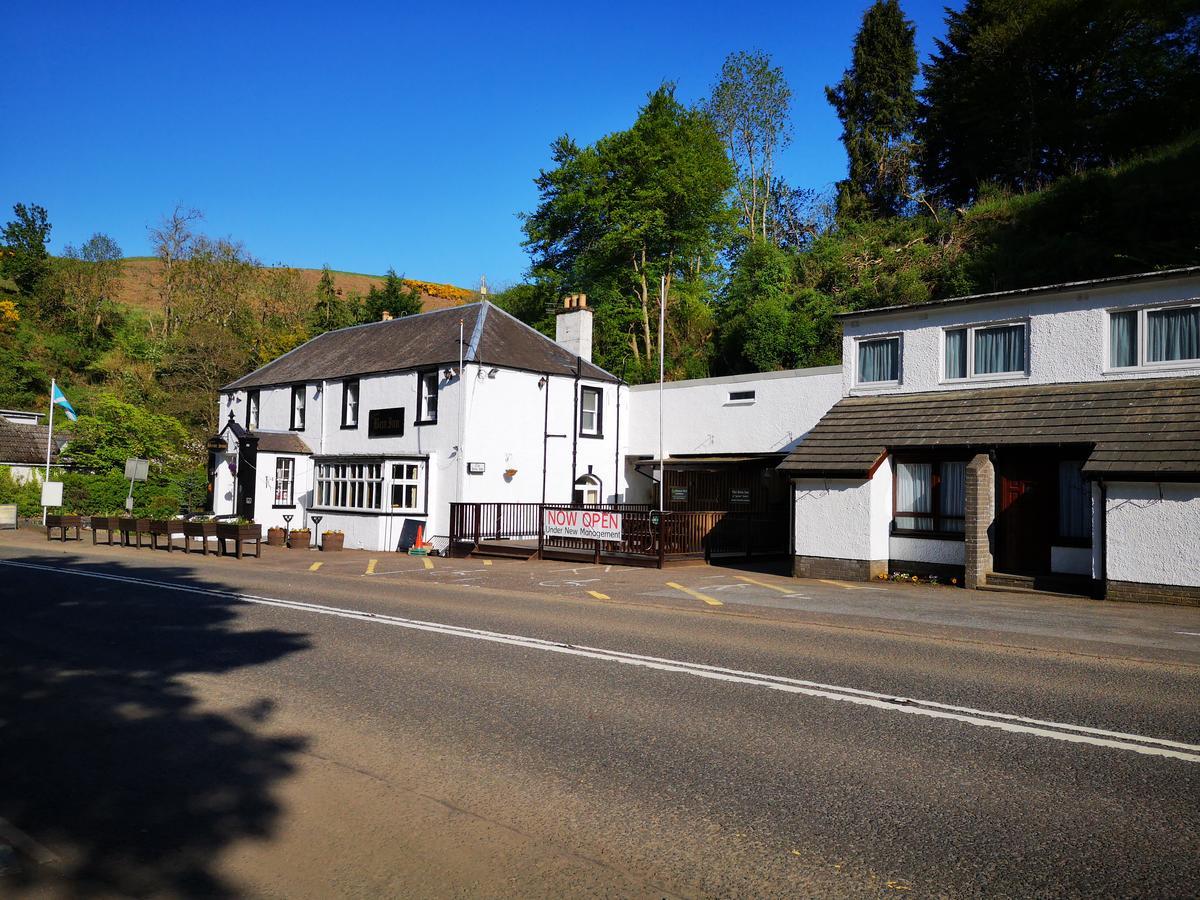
1025 518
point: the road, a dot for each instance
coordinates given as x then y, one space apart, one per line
212 727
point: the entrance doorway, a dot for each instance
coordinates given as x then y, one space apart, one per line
1026 514
587 490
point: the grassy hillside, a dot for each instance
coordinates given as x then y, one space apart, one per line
139 273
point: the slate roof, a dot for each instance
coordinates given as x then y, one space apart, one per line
1181 272
490 337
1136 428
25 445
281 442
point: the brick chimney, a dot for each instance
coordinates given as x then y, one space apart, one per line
573 326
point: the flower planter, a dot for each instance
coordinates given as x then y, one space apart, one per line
276 537
300 540
109 525
239 534
159 528
64 523
129 531
331 541
201 531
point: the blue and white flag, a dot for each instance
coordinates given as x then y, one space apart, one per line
58 398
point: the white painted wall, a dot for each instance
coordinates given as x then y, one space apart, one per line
928 550
833 518
699 417
1153 533
1068 336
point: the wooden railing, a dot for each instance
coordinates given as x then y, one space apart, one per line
648 538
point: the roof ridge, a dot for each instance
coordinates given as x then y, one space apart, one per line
545 337
473 346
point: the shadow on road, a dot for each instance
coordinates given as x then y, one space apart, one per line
106 755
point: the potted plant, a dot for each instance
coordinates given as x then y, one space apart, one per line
300 538
239 531
276 536
201 528
332 540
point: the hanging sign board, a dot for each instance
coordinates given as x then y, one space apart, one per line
386 422
52 493
217 444
136 469
594 525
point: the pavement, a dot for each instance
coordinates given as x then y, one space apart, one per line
351 724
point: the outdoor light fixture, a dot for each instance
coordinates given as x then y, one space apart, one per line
450 373
542 381
493 372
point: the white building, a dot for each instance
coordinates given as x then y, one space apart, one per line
1046 437
379 427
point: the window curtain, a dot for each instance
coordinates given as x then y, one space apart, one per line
1122 339
1074 502
1000 350
1173 334
956 353
914 494
879 360
953 500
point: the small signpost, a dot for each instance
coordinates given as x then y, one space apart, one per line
135 470
316 520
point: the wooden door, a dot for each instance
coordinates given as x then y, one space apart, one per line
1025 518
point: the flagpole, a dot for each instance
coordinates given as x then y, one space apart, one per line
662 320
49 441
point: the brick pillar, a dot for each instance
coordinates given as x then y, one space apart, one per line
980 513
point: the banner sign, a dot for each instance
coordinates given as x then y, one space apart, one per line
592 524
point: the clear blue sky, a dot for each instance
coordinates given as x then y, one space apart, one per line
370 135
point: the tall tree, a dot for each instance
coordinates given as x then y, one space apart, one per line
331 310
636 207
25 259
877 105
173 239
90 277
749 108
395 298
1019 94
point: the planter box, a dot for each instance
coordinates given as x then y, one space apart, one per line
163 528
332 541
239 534
276 537
300 540
202 531
109 525
64 523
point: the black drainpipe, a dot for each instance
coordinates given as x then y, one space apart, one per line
545 433
575 425
1103 539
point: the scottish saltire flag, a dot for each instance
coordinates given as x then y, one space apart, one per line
58 398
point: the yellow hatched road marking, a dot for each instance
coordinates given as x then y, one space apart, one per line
711 601
766 584
428 562
487 562
315 566
371 566
599 596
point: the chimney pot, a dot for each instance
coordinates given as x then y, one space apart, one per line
386 317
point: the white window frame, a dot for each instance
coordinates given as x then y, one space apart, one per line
351 485
350 407
253 407
896 336
987 376
298 421
289 501
424 379
417 482
1143 335
597 427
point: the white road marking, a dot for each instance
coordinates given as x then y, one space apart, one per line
1192 633
1061 731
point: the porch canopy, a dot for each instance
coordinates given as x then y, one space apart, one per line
1134 428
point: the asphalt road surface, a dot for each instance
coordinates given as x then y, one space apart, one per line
209 728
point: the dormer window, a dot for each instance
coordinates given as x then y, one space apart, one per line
879 361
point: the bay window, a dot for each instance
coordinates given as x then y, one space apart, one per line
930 498
1162 336
879 361
350 485
984 351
